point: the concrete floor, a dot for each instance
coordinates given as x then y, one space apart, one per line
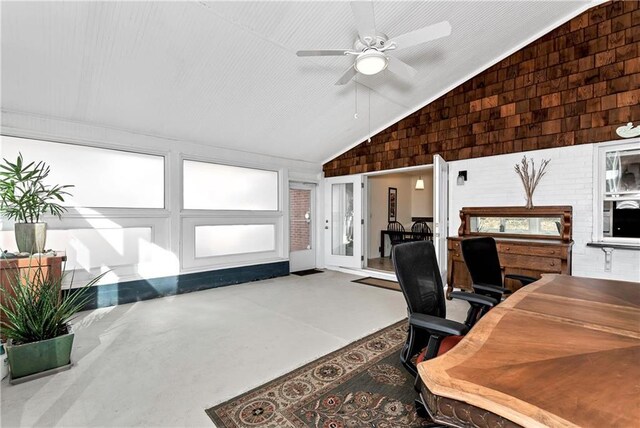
162 362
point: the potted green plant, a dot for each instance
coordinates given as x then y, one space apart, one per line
35 322
25 197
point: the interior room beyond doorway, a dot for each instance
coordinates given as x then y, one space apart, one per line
405 197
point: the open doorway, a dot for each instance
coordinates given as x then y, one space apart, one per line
404 197
356 217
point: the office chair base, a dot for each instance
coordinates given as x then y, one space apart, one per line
421 410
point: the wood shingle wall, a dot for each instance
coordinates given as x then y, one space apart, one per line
574 85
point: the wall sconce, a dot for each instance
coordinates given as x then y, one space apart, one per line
462 177
420 184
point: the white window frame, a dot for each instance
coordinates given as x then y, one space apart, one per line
76 217
159 226
191 262
599 188
81 210
190 218
278 172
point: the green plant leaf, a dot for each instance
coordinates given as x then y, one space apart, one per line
36 309
24 197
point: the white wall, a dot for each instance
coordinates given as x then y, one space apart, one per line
163 252
492 181
422 200
411 203
378 206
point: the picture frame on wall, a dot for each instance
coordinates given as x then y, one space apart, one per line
393 204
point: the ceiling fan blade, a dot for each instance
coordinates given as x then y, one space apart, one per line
422 35
363 15
325 52
401 68
347 76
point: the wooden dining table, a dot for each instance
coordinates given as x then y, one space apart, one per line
561 352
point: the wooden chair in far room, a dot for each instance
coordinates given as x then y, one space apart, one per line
421 227
397 235
481 257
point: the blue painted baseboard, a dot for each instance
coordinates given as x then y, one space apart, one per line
101 296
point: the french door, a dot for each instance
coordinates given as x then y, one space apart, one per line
302 242
440 210
343 221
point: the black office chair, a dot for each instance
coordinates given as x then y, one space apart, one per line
419 278
398 236
481 257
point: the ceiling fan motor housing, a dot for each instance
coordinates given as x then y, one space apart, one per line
377 42
370 48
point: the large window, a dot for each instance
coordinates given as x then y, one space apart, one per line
209 186
618 192
224 240
118 221
102 178
231 215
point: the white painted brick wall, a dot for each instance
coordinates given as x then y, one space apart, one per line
492 181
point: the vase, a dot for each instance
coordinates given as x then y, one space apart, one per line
31 237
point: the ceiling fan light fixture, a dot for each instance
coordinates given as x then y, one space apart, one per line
371 62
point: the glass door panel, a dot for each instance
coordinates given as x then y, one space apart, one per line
343 221
300 219
302 253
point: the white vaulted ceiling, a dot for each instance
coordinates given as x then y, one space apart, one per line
225 74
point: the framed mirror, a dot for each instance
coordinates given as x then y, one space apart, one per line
548 226
550 222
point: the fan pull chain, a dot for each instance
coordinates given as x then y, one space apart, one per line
369 92
355 115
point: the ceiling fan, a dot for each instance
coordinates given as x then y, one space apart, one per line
371 47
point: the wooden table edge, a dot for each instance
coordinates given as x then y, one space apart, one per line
433 372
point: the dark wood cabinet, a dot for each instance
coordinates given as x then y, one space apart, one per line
531 252
13 270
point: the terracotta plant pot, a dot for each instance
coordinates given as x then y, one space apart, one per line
31 237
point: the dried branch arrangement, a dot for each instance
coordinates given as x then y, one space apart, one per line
530 178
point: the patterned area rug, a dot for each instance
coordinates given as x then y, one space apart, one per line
360 385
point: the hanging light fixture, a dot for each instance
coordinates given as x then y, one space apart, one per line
420 184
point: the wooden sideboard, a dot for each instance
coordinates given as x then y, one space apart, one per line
530 254
12 269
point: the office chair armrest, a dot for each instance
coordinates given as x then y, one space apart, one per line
524 280
438 326
491 288
475 298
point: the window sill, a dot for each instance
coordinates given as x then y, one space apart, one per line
617 245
